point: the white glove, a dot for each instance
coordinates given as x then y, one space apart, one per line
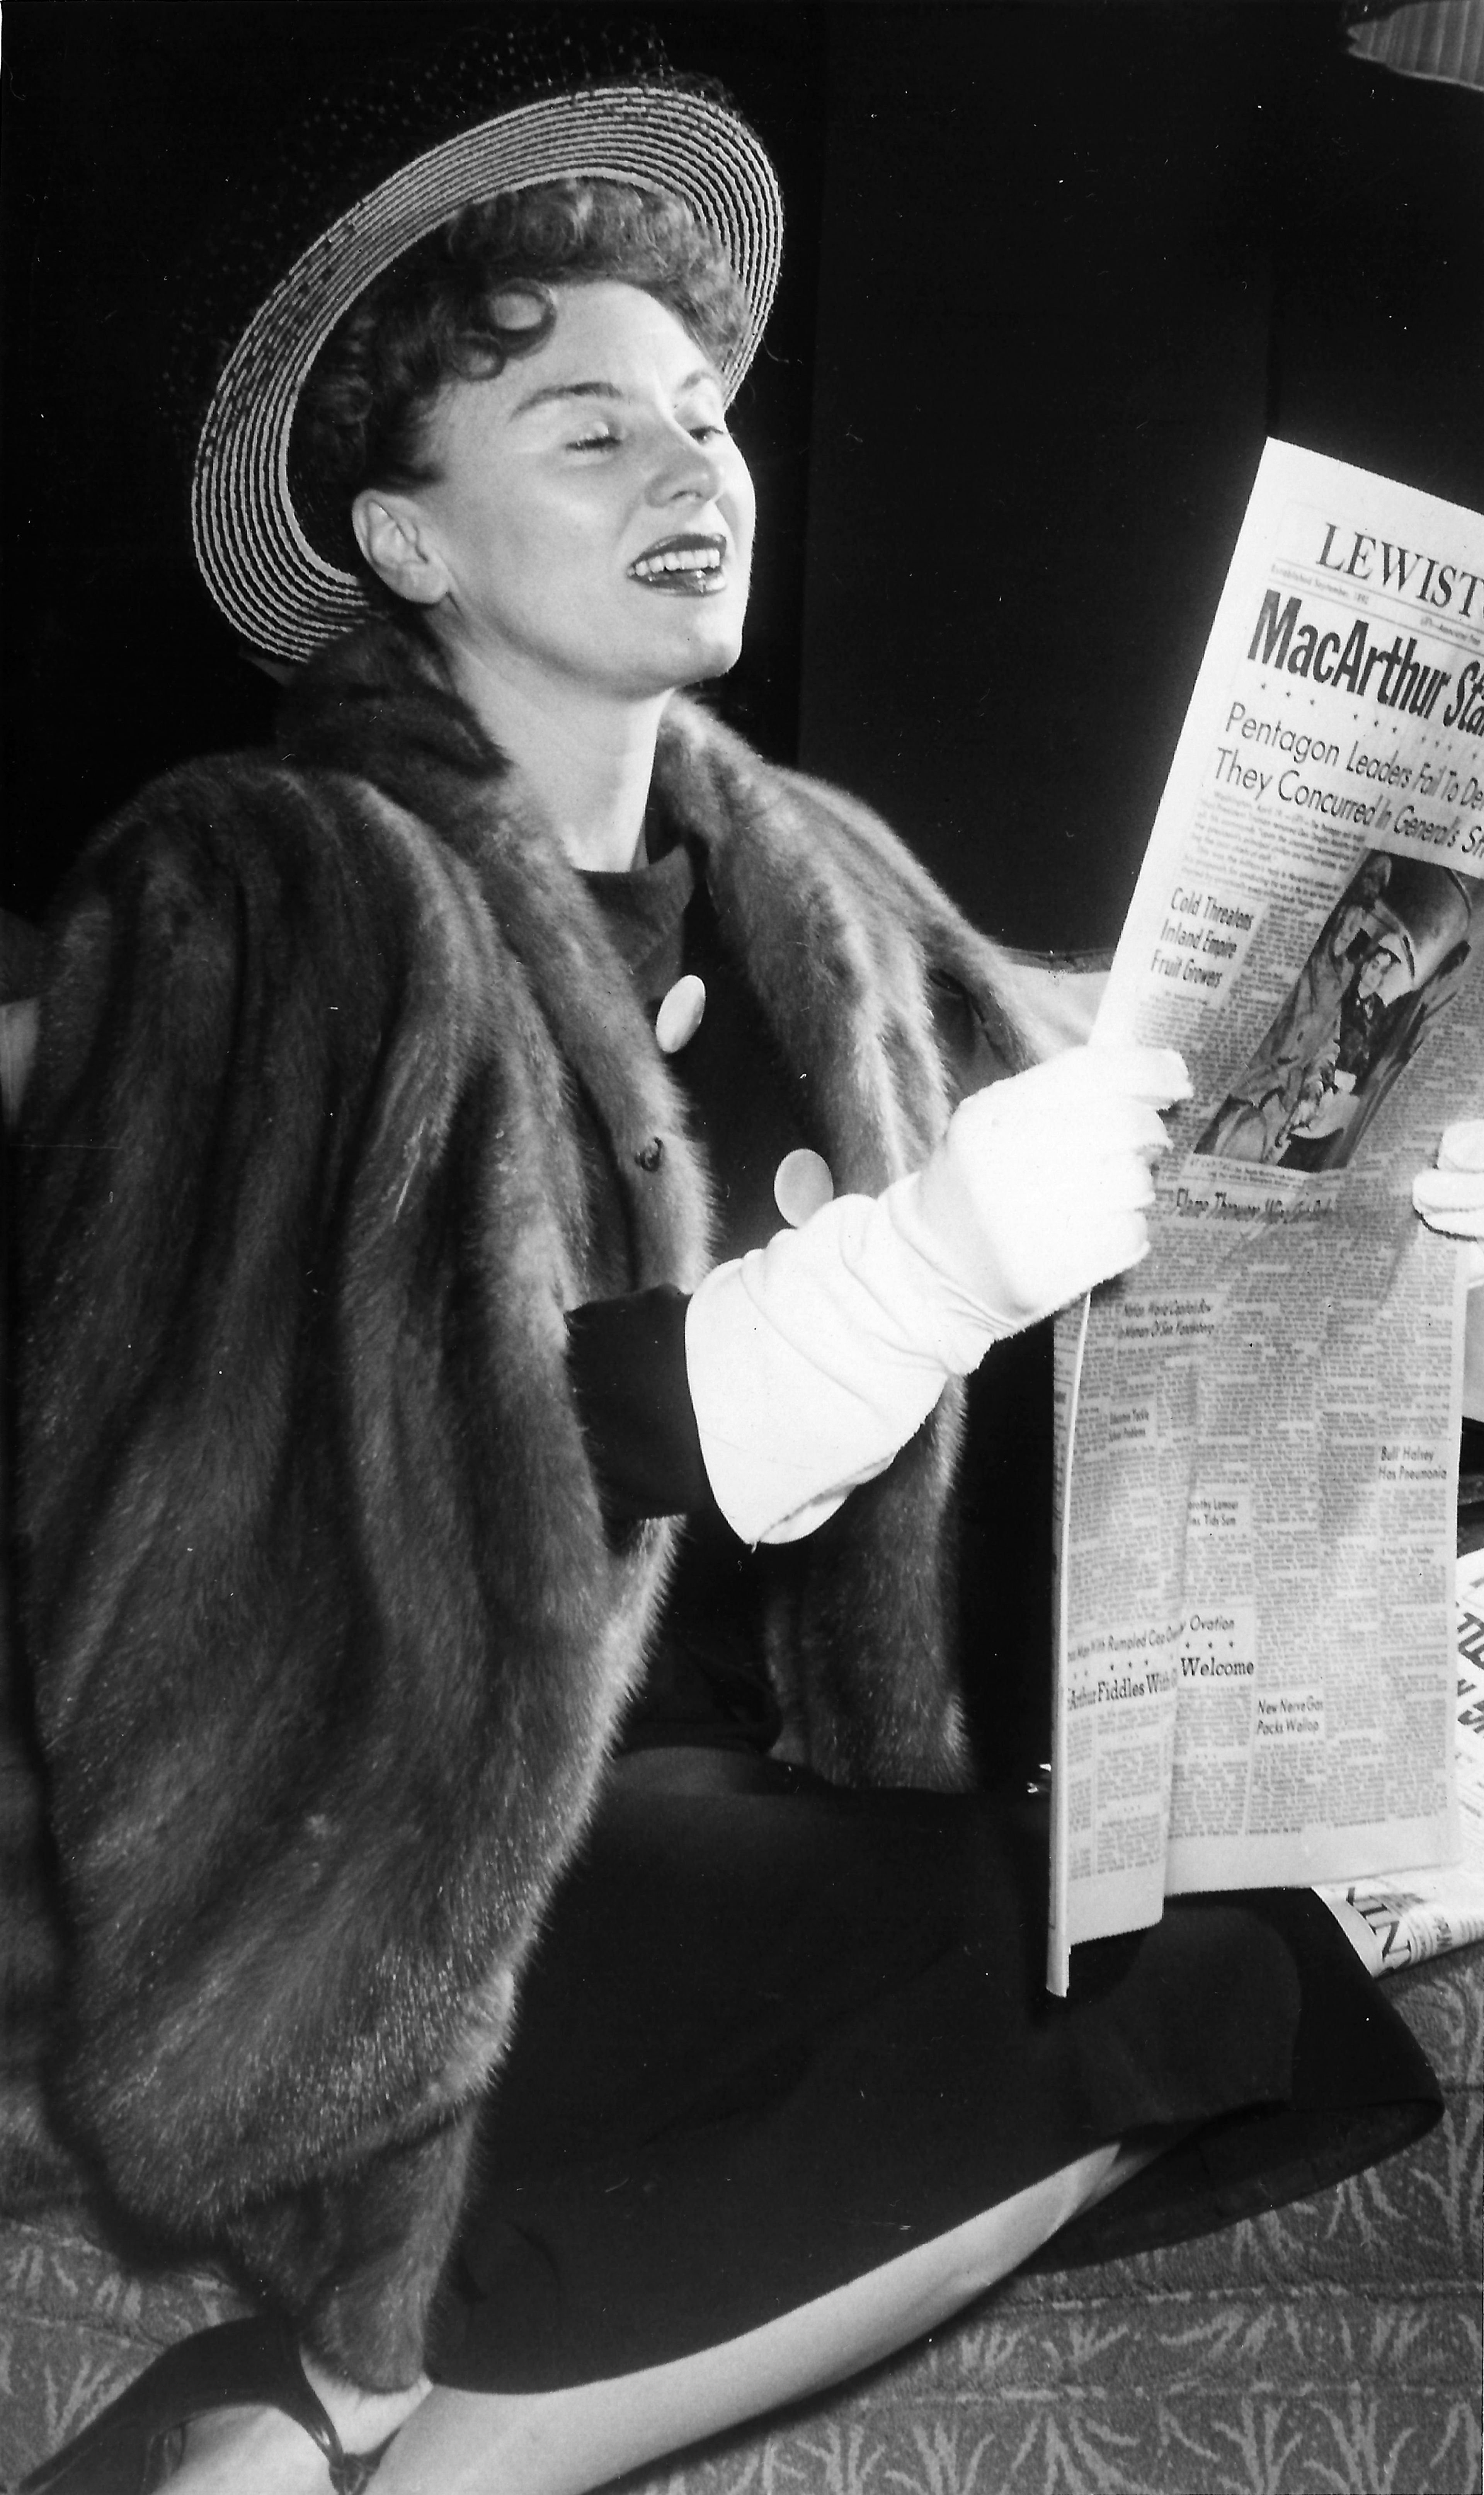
1450 1198
813 1360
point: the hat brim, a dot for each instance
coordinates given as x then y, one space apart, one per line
281 594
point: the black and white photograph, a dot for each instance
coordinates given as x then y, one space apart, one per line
599 603
1390 955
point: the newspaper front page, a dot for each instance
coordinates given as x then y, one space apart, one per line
1260 1423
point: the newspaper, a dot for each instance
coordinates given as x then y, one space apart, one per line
1260 1424
1396 1918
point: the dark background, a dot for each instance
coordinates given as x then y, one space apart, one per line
1052 273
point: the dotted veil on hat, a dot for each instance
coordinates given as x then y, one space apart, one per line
406 155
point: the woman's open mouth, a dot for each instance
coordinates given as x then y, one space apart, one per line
683 566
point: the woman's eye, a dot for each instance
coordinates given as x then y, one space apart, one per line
708 431
595 442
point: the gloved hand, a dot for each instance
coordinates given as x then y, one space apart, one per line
1450 1198
813 1360
1038 1189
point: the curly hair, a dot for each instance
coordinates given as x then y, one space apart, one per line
459 305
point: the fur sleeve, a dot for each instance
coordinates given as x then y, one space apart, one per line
326 1637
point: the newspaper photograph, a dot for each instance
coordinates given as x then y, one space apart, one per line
1258 1476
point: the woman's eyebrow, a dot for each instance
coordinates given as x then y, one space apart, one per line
565 389
599 389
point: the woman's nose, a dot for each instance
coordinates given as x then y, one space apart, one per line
685 466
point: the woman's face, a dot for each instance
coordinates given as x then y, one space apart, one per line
592 515
1374 970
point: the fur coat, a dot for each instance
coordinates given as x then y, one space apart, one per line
343 1098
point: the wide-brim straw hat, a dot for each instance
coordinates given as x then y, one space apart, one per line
283 593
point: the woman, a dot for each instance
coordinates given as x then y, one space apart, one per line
403 1259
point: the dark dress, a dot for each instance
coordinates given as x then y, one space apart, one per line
776 2033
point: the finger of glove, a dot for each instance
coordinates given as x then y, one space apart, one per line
1123 1242
1061 1160
1451 1201
1156 1075
1121 1183
1056 1258
1090 1252
1065 1189
1461 1146
1071 1121
1096 1130
1106 1074
1457 1191
1126 1126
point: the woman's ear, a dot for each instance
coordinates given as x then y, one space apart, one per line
394 538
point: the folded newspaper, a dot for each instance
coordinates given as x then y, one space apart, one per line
1396 1918
1259 1425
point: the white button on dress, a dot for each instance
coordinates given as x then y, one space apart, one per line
681 1008
801 1183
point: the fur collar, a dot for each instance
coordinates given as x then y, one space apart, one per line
841 933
